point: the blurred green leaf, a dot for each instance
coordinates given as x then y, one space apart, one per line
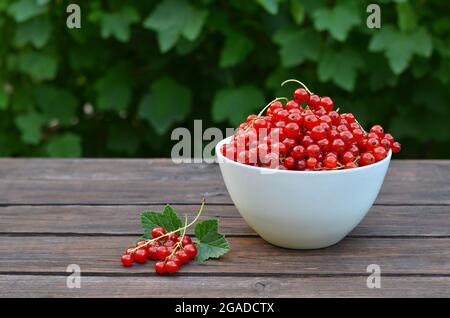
297 46
234 104
270 6
67 145
30 125
167 103
117 24
39 65
35 31
338 20
23 10
297 11
407 19
174 18
399 47
122 139
114 90
236 49
340 67
55 103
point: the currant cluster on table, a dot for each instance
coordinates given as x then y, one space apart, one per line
169 249
307 134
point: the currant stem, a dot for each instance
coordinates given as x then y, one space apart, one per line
180 242
262 111
298 82
172 232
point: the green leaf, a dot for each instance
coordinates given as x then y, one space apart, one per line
270 6
400 47
117 24
24 10
211 244
338 21
55 103
234 104
297 46
168 219
114 90
39 65
67 145
407 19
30 126
340 67
174 18
297 11
35 31
236 49
158 107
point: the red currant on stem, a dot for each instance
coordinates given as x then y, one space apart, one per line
127 260
190 250
160 267
158 231
141 255
172 267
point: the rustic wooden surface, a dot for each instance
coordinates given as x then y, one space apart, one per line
59 212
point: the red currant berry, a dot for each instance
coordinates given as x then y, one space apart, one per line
190 250
169 243
174 258
158 231
292 105
310 121
160 267
141 256
350 118
330 162
162 252
324 144
372 143
311 163
338 145
396 147
377 129
312 150
306 141
172 267
358 134
335 117
350 165
301 95
186 240
379 153
366 159
326 103
347 136
314 101
289 143
182 256
292 130
385 143
298 152
289 163
301 165
318 132
127 260
152 252
347 157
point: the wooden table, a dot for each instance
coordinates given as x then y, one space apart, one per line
59 212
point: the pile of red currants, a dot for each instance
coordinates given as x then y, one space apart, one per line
306 134
171 249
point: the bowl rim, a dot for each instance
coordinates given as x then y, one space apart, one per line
226 160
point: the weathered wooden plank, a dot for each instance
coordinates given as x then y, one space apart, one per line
44 254
222 287
111 181
122 220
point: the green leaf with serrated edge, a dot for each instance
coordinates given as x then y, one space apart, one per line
23 10
117 24
35 31
234 104
168 219
210 244
236 49
399 48
297 46
340 67
67 145
338 21
30 126
158 108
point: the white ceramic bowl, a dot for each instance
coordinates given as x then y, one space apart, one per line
302 209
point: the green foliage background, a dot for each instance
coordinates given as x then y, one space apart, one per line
137 69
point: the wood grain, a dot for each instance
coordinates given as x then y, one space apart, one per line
249 255
112 181
222 287
426 221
